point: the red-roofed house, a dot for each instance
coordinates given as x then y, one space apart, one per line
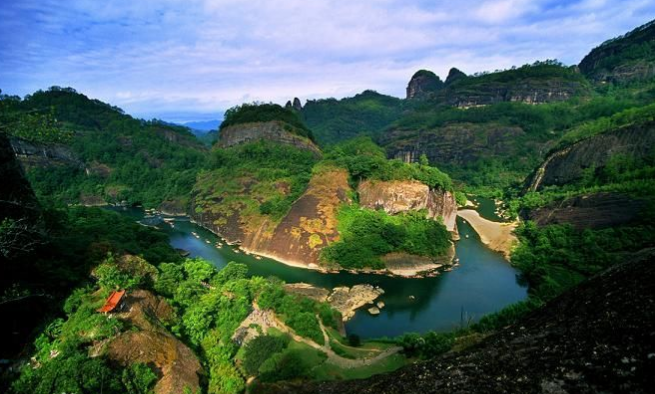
113 301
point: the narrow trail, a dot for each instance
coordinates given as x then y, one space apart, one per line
267 320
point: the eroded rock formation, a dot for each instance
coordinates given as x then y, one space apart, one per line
569 164
401 196
270 131
424 84
177 366
299 237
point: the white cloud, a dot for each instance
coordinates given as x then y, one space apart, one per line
158 57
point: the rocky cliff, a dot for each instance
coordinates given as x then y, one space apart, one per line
298 238
44 155
595 211
622 59
531 84
568 164
594 338
423 84
401 196
277 131
528 91
453 147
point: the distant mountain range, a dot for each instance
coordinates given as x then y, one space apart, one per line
202 127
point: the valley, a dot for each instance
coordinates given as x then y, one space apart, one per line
489 232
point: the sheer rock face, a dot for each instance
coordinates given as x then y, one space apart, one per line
457 144
596 211
298 238
269 131
44 155
526 91
423 84
596 337
568 164
401 196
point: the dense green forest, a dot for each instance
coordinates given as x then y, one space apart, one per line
108 155
367 113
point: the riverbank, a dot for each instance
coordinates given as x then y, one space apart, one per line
398 264
496 235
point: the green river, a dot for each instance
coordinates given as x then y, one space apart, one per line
484 281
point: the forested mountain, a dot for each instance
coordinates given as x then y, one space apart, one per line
280 196
623 59
368 184
104 154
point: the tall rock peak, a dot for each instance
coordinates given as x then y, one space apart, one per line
453 75
296 104
423 84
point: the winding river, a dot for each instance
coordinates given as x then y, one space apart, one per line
483 282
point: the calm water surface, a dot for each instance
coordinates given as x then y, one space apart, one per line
483 282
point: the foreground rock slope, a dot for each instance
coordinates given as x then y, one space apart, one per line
597 337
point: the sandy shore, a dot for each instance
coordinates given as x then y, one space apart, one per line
497 236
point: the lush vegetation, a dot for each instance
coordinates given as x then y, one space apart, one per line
104 154
367 113
633 47
256 112
278 173
366 160
367 235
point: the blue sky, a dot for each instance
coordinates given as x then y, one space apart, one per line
183 60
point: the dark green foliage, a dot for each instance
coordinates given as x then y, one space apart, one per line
366 235
266 164
556 257
366 160
506 316
635 46
123 153
367 113
284 366
138 379
354 340
298 312
249 113
72 372
427 346
260 349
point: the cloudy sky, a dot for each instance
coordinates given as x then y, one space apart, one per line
182 60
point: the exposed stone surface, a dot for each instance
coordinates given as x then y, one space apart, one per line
525 91
306 290
344 299
348 299
297 105
456 145
374 310
423 84
594 338
568 164
270 131
401 196
594 211
309 226
44 155
176 365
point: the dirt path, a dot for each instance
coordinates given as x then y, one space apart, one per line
496 235
267 319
